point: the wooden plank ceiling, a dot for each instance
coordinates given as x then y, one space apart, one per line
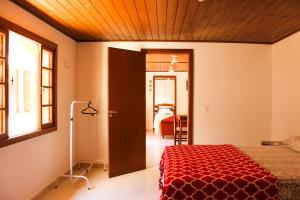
246 21
161 62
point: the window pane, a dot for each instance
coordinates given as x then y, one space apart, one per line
2 96
24 85
2 121
47 59
2 70
47 115
47 77
2 45
47 96
23 91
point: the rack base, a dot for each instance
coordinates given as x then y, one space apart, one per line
74 178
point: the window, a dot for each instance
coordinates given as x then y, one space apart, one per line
47 87
27 84
23 70
3 84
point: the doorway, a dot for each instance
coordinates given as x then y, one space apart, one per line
164 92
169 94
127 92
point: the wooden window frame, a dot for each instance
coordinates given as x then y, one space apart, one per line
53 87
7 26
4 136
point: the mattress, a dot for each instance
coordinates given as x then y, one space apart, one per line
282 163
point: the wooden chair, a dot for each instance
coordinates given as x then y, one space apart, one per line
180 129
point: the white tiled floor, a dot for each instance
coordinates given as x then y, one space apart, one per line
155 146
134 186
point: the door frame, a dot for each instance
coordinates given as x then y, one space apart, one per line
175 91
190 85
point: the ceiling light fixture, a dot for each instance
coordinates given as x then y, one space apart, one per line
173 62
173 59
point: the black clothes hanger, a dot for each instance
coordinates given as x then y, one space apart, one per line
89 110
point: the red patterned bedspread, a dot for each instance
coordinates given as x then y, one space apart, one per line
213 172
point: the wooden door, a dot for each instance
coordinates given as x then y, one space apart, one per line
127 111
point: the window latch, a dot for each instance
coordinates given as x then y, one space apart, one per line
12 80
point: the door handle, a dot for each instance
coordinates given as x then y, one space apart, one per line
111 112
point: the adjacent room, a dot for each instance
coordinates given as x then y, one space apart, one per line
167 100
149 99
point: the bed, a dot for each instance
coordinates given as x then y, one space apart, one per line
229 172
163 119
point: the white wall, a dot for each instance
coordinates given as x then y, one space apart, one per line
182 94
285 88
91 84
233 81
28 167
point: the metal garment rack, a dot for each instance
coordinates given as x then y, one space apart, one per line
90 111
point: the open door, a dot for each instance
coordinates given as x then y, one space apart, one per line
127 113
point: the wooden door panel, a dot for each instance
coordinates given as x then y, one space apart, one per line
127 127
